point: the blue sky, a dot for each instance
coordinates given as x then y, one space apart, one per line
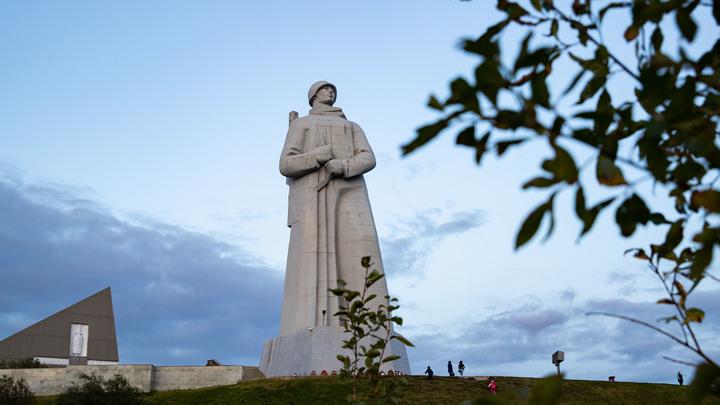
139 147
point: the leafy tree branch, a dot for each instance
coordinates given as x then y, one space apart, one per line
665 130
369 329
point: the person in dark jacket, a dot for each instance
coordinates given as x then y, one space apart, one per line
429 372
461 368
450 370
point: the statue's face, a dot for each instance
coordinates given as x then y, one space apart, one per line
326 95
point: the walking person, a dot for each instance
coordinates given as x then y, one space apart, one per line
680 378
429 372
461 368
450 369
492 386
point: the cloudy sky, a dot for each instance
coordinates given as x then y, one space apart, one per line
139 147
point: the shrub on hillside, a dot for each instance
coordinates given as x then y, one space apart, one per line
29 362
95 390
14 392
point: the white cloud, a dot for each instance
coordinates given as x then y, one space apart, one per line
178 297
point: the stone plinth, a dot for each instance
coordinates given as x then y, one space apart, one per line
316 349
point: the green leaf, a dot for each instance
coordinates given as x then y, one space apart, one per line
694 315
554 26
390 358
594 211
489 80
502 146
508 119
513 10
351 295
424 135
604 113
540 93
657 39
546 391
579 8
680 293
708 199
674 235
485 45
562 166
632 32
540 56
541 182
580 206
688 172
523 54
531 224
631 213
481 147
593 86
403 340
556 128
686 24
608 174
702 259
588 216
705 375
639 254
463 93
435 104
466 137
668 319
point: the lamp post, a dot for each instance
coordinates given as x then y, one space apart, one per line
558 358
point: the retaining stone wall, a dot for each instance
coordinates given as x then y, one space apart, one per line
145 377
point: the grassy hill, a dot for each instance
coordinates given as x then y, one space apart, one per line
443 390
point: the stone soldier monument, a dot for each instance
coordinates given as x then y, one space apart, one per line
331 229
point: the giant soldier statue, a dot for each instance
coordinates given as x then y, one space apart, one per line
331 229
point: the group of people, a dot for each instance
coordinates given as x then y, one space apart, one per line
461 370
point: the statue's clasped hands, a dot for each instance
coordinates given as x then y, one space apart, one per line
324 156
334 167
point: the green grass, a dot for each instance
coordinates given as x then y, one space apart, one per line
443 390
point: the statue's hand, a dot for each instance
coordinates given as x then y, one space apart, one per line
323 154
334 167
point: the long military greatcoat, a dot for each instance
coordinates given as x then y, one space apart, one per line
331 223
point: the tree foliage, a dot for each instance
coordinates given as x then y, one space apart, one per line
15 392
369 334
95 390
29 362
651 118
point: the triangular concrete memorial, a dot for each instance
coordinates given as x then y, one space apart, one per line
83 333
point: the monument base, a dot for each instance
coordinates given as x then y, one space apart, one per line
316 349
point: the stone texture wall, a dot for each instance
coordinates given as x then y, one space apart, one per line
183 378
145 377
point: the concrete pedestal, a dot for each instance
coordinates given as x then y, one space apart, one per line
316 349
